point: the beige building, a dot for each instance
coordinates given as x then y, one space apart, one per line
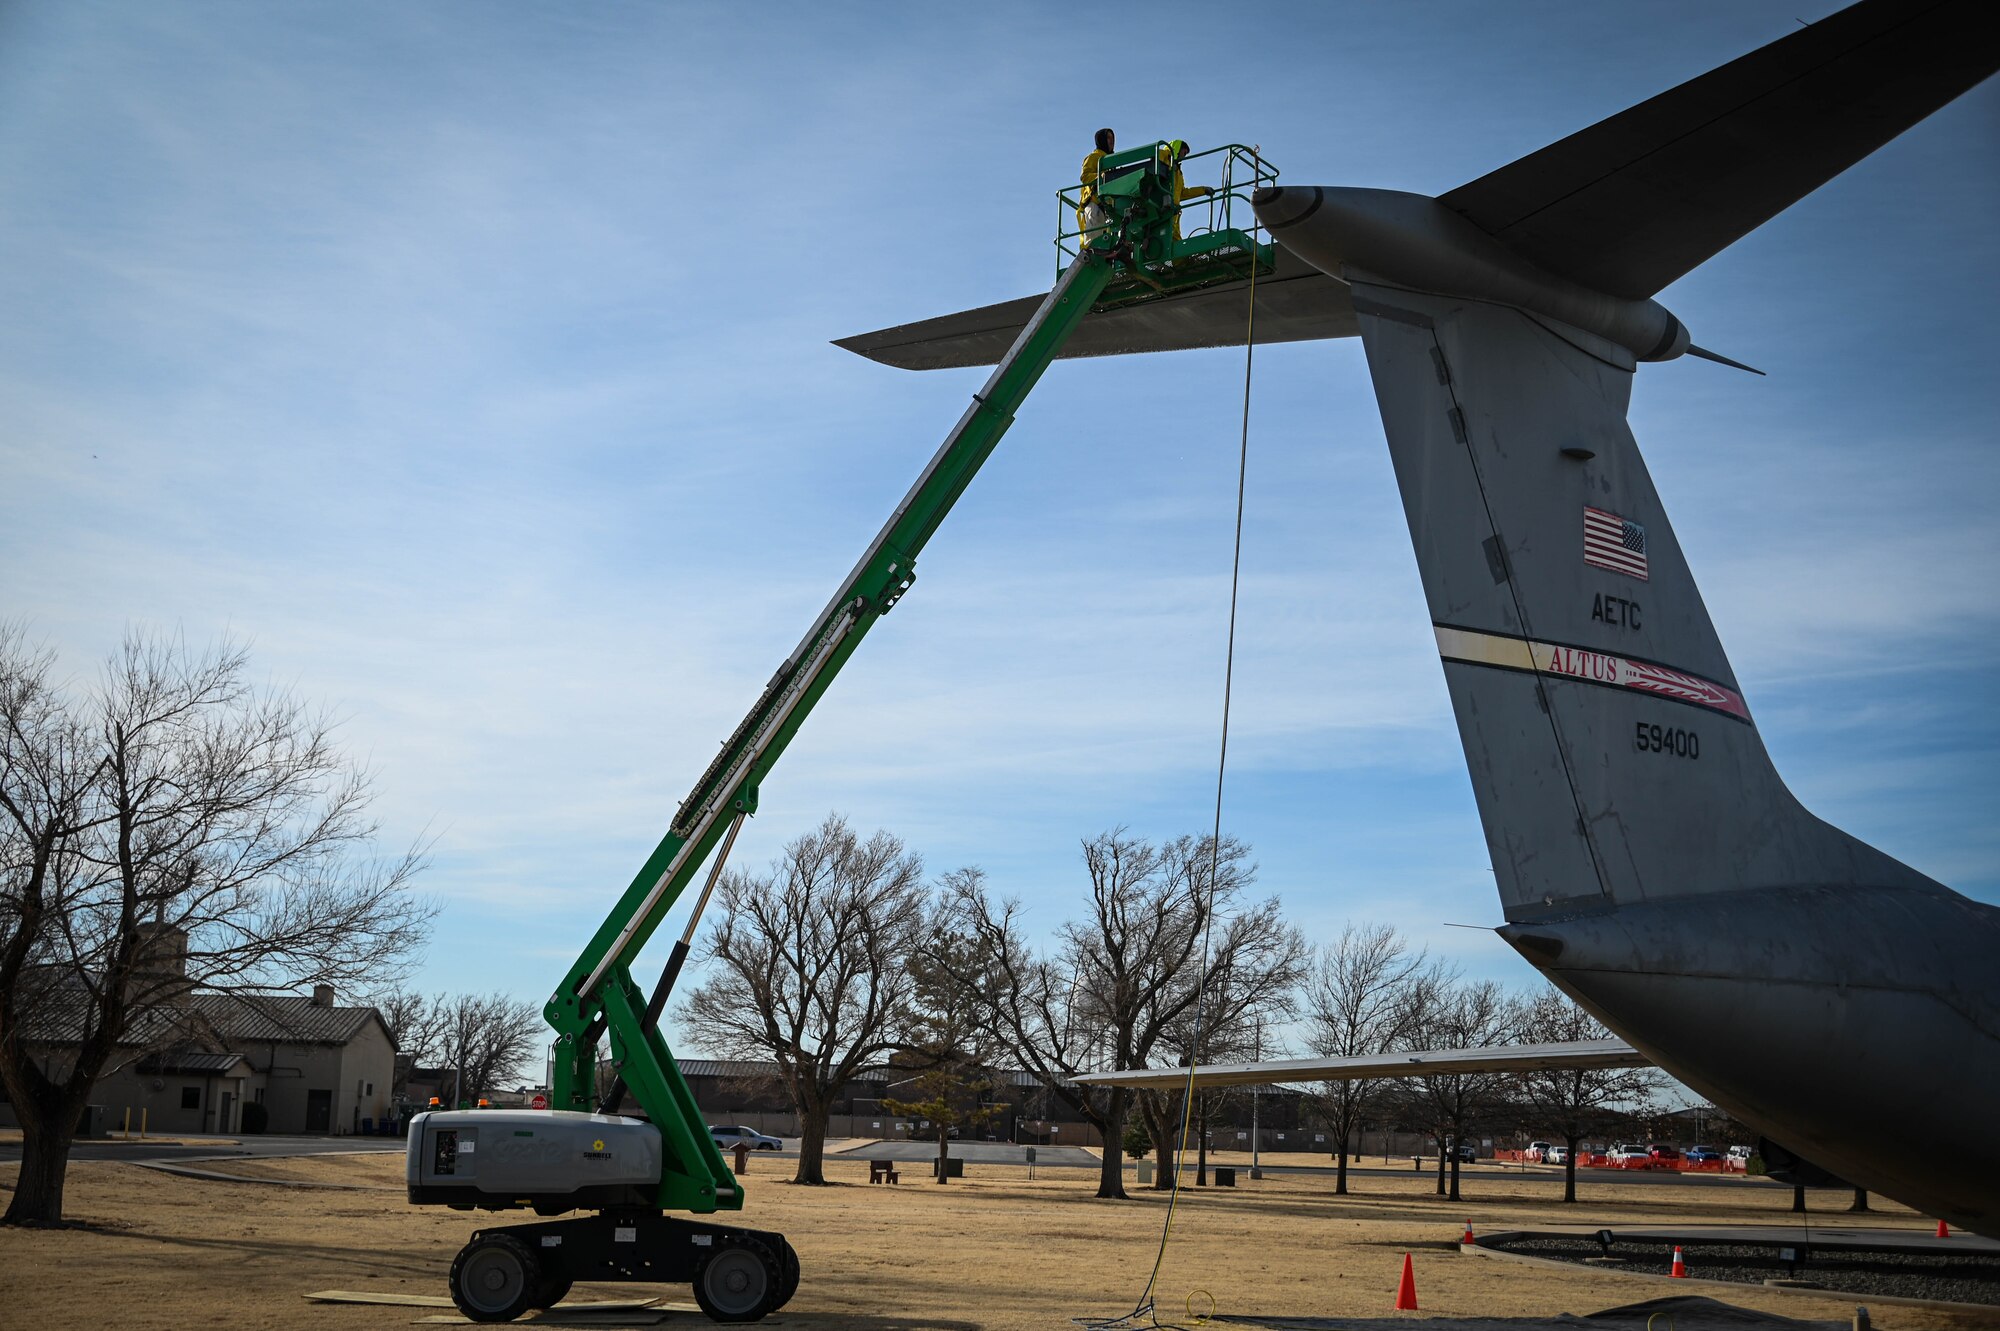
314 1067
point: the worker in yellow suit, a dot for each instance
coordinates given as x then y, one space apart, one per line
1092 216
1171 153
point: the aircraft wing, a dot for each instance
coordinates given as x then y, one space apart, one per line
1295 303
1368 1067
1631 203
1625 206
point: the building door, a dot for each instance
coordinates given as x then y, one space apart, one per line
319 1111
228 1103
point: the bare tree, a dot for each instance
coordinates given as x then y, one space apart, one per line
171 831
1357 1004
809 967
487 1038
1256 963
417 1024
1120 979
949 1049
1571 1102
1446 1013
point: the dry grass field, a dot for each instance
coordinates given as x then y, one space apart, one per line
991 1252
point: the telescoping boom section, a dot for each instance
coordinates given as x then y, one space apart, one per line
1140 243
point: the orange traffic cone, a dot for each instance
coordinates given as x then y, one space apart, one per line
1944 1230
1680 1267
1406 1294
1468 1233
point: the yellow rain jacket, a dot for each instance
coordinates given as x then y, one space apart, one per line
1182 190
1089 194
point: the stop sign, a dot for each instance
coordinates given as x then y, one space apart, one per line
539 1102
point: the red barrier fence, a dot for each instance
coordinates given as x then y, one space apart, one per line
1599 1160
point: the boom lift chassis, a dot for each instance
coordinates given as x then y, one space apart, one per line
741 1274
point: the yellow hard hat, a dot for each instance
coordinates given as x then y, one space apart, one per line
1177 149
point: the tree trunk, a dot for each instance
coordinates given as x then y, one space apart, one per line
1162 1125
1441 1149
1111 1170
46 1132
1860 1200
944 1153
812 1143
1201 1148
1340 1170
1569 1170
1799 1198
1454 1168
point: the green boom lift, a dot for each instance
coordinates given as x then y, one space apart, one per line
580 1153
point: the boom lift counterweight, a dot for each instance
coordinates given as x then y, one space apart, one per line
581 1154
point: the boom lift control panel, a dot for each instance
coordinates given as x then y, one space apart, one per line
630 1170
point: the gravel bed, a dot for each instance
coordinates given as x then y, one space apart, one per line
1954 1279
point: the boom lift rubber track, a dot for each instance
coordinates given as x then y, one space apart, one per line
580 1154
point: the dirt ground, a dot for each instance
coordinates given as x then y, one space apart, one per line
991 1252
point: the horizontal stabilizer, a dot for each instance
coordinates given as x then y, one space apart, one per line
1633 202
1295 303
1368 1067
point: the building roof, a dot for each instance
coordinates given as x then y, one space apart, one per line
229 1018
766 1070
752 1069
192 1065
284 1019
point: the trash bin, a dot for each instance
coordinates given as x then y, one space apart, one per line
92 1121
1225 1176
952 1166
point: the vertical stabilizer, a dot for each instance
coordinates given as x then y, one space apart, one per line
1611 750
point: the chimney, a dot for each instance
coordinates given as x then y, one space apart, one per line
322 995
159 950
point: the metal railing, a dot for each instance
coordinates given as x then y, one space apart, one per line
1218 226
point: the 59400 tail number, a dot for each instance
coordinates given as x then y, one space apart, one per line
1660 739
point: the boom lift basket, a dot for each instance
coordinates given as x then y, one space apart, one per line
1219 239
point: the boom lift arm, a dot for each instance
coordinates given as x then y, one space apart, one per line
1131 260
580 1154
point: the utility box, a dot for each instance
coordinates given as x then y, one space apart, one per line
1145 1172
1225 1176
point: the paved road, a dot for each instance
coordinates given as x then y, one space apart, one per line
903 1152
973 1153
117 1149
1583 1175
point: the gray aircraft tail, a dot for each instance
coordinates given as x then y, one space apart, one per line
1612 752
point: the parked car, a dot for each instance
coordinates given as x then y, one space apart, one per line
1538 1150
1626 1153
727 1137
1740 1155
1661 1151
1556 1155
1701 1155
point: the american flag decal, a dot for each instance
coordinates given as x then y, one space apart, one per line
1612 542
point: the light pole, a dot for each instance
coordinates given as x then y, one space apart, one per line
1256 1056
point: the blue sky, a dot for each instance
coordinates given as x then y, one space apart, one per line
471 363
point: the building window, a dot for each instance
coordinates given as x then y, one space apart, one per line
190 1097
260 1095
